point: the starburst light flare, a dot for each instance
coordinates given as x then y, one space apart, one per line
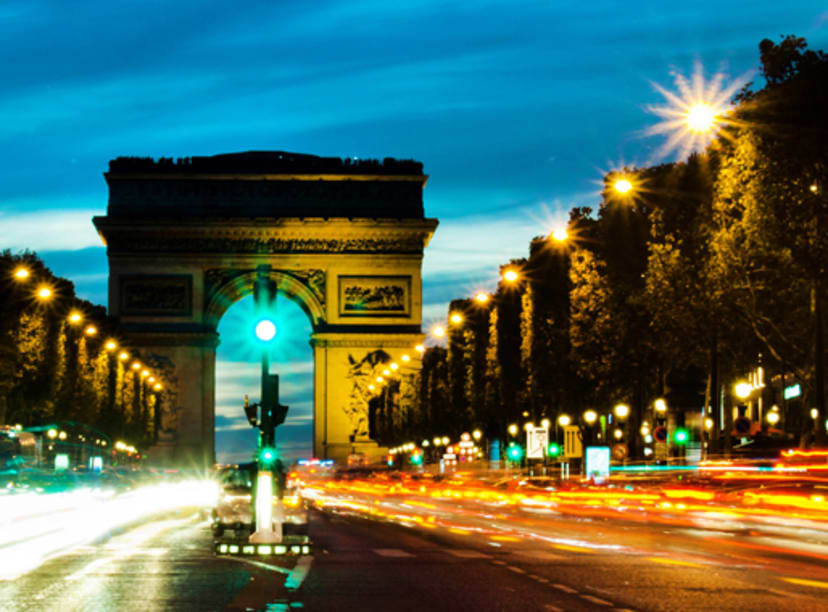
695 112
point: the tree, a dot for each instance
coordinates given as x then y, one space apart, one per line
770 210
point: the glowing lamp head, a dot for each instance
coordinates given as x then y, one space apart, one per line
700 118
773 418
157 387
123 356
111 345
660 405
618 434
590 416
405 358
622 186
265 330
560 234
622 411
75 317
477 434
814 413
481 298
513 429
743 390
21 273
456 318
44 293
510 275
91 330
386 372
136 365
708 423
439 331
420 348
445 440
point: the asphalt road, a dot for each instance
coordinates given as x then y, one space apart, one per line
359 564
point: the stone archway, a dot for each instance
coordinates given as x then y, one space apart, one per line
344 240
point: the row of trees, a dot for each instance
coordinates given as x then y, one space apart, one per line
699 273
59 359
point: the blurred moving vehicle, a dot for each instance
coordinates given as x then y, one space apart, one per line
235 508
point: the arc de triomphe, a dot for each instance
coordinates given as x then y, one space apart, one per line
343 238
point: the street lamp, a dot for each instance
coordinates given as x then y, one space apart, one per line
773 418
477 434
481 298
90 330
75 317
111 345
622 185
622 411
545 423
21 273
44 293
660 405
456 318
510 275
439 331
700 118
559 234
590 416
513 429
743 389
564 420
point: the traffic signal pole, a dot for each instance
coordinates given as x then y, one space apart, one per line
264 293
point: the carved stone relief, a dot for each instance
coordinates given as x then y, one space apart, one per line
362 373
159 295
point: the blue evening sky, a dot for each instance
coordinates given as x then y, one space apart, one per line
515 108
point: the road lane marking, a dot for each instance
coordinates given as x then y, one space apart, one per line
596 600
811 583
272 568
552 608
459 531
468 554
540 554
88 569
498 562
392 552
514 569
667 561
564 588
299 573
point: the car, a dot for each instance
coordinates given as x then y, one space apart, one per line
235 507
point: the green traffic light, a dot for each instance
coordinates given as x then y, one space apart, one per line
267 456
416 459
681 436
554 449
515 452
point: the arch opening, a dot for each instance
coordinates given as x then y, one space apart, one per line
238 372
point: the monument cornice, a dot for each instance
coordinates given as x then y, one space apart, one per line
385 178
265 235
345 340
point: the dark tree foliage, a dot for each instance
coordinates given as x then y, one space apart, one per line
52 370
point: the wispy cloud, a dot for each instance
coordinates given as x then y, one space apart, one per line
48 229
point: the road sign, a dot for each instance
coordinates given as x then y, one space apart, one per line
619 452
598 463
660 434
572 442
537 439
660 451
742 426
